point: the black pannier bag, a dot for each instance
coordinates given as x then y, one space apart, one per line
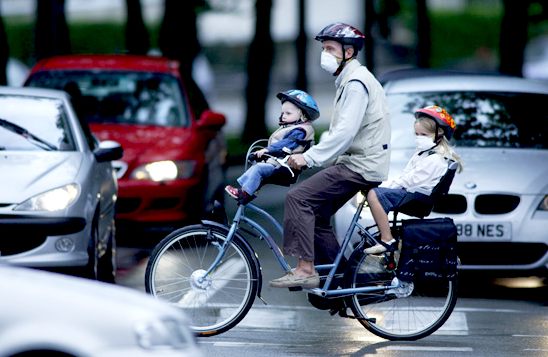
429 250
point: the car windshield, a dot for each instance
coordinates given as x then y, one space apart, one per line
34 123
120 97
484 119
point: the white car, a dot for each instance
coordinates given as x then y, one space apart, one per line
57 186
49 314
500 200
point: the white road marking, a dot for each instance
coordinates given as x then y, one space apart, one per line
251 344
427 349
262 318
456 325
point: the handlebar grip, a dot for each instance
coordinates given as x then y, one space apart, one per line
252 157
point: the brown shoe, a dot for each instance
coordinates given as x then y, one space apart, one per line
291 280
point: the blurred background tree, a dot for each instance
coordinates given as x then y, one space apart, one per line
137 37
51 33
259 63
4 52
461 34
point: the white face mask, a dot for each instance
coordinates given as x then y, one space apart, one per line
423 142
329 62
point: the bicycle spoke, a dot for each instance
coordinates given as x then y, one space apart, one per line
176 272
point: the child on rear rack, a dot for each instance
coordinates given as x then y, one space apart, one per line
433 129
295 134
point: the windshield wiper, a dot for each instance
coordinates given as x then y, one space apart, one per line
27 135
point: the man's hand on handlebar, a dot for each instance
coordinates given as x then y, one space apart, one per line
296 161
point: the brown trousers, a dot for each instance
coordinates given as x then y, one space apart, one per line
309 206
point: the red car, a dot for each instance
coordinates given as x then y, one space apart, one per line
174 151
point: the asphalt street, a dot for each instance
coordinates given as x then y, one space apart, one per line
493 316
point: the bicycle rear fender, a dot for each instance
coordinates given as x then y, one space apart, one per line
244 242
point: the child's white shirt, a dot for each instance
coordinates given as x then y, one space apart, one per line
421 174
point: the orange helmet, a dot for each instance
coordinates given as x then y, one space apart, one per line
441 117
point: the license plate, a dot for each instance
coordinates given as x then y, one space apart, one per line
484 230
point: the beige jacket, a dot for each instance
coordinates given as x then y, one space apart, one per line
359 131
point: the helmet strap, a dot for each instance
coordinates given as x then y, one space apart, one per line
282 123
422 152
343 62
437 138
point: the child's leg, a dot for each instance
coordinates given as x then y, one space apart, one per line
380 216
252 178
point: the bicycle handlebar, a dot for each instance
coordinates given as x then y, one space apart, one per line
264 157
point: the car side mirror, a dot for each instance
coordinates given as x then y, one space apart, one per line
211 120
108 150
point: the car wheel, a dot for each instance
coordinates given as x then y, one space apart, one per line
91 269
101 265
106 264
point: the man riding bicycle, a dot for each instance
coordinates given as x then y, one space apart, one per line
357 148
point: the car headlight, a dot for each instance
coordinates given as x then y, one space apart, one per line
164 170
161 334
543 206
52 200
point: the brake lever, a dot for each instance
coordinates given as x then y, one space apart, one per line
283 162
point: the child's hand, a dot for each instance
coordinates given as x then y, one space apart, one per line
261 152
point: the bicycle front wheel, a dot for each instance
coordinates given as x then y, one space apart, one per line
385 315
214 303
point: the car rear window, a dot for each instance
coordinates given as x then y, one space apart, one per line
484 119
136 98
34 123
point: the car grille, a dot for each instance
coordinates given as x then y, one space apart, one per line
451 204
496 204
490 253
19 245
163 203
483 204
127 205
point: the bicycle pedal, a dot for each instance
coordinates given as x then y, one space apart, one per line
296 288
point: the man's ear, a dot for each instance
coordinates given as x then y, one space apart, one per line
349 52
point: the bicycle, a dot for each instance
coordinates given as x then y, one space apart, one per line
212 272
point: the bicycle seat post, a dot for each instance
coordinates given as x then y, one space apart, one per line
344 244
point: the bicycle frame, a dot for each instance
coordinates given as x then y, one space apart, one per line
324 291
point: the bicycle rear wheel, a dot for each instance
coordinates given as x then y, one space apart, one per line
409 318
219 301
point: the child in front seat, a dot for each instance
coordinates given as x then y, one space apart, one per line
434 127
294 136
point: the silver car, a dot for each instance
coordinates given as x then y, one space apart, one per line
500 200
49 314
57 186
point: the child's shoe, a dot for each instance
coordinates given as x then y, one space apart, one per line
240 195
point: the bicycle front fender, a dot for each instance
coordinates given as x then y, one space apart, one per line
225 229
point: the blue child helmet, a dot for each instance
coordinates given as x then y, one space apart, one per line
302 100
